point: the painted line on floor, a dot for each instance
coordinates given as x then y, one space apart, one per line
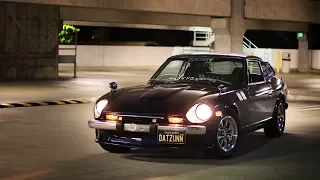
43 103
303 107
307 109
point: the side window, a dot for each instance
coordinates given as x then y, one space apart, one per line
268 71
255 74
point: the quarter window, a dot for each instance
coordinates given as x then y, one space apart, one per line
255 74
268 71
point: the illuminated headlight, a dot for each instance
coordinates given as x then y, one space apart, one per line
199 113
99 107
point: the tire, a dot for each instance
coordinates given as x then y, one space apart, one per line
218 151
275 127
114 149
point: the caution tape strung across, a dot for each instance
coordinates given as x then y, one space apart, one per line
46 103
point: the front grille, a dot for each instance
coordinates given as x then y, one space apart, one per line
142 120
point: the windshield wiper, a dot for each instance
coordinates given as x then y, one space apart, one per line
216 80
191 80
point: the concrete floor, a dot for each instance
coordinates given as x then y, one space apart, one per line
88 85
54 142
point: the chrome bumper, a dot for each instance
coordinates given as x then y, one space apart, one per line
191 129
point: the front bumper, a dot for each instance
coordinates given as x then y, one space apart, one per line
141 128
141 135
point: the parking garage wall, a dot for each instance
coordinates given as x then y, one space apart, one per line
150 58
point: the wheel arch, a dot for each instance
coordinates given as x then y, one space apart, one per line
234 107
282 98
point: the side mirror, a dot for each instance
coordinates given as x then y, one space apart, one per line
222 88
113 86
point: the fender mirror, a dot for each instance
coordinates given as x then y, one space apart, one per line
113 86
222 88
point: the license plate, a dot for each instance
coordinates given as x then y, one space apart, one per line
131 127
171 137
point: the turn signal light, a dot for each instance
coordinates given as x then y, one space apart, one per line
111 117
175 120
218 113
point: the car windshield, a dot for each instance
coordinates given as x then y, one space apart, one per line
228 70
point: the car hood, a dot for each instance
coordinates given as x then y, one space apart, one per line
173 99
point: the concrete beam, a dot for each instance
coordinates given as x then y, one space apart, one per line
196 7
285 10
272 25
132 17
122 25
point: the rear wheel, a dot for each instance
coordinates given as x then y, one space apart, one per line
275 126
226 139
114 149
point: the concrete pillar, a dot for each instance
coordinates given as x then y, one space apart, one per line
303 53
229 32
29 46
221 30
237 25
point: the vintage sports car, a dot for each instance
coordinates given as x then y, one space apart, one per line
194 100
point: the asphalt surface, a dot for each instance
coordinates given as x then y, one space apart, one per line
54 142
305 84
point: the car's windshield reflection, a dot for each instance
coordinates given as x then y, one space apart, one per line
209 70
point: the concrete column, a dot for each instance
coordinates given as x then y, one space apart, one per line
29 46
229 32
222 34
237 25
303 53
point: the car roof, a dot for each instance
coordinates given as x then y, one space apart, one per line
200 54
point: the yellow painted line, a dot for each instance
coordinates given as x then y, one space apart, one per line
26 104
59 102
278 62
32 175
251 67
42 103
30 104
8 105
72 102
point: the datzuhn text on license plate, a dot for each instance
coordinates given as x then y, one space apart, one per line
171 137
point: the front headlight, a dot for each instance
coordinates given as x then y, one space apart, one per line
100 105
199 113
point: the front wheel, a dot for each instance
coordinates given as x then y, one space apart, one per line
114 149
226 139
275 126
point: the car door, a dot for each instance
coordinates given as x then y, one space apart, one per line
259 91
269 76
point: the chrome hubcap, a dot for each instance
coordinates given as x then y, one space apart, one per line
227 133
281 117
